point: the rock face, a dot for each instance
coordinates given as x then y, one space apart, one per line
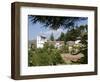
68 57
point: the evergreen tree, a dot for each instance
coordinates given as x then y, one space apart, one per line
61 37
56 22
52 37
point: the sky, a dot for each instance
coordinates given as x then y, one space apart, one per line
37 29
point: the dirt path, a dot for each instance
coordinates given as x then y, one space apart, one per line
68 57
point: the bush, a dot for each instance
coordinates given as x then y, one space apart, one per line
83 60
48 55
64 49
76 49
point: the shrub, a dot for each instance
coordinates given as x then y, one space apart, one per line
64 49
48 55
75 49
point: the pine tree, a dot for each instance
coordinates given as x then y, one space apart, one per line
62 36
52 37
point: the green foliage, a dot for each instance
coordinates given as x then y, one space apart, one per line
64 49
52 37
56 22
75 49
83 50
33 46
75 32
84 39
61 37
48 55
84 60
72 35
